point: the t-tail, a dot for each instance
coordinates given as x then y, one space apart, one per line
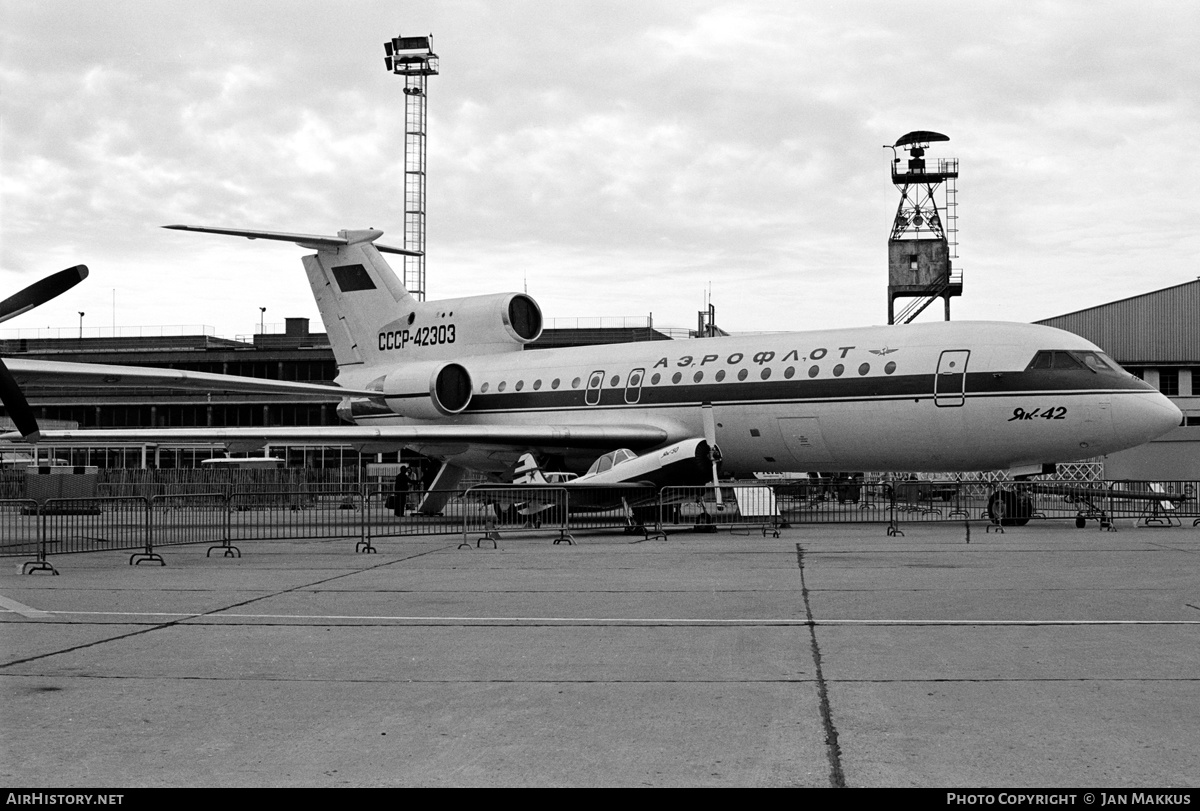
375 325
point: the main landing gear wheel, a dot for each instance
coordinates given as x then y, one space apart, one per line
1008 509
1080 522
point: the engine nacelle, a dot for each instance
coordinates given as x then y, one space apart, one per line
476 325
427 391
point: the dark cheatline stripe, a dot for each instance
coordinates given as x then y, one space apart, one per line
1010 384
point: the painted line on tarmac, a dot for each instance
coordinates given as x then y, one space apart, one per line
22 609
599 620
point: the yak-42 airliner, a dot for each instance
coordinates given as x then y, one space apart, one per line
450 379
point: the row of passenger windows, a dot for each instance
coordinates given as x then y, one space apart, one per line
765 374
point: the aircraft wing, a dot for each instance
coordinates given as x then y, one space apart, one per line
448 439
33 374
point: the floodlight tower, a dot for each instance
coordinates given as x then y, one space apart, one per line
414 59
921 246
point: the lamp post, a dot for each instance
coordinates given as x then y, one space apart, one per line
81 325
262 317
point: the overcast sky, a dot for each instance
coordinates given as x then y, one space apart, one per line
617 158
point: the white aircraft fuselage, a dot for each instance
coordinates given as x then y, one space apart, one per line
920 397
456 380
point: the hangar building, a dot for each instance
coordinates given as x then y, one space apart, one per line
1156 336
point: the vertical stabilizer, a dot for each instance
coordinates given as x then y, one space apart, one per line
357 293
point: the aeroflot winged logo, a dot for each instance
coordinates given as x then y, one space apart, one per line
884 351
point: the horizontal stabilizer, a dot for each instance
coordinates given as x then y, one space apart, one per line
312 241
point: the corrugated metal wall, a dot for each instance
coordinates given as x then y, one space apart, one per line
1160 327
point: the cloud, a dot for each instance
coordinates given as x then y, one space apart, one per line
621 157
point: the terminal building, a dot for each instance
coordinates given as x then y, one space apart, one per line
298 354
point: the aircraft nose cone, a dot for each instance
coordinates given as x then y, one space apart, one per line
1146 417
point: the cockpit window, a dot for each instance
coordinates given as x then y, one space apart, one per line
1061 359
610 460
1095 361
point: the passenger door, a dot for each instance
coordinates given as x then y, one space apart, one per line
950 382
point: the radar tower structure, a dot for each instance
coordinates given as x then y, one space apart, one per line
922 243
414 59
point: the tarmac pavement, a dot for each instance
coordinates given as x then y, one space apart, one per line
834 655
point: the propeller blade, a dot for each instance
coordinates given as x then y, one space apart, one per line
17 406
41 292
710 436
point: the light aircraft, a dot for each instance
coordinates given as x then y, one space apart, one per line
451 380
619 479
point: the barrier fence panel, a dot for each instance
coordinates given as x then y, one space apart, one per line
285 514
95 524
419 512
730 505
20 528
190 519
1187 505
633 508
490 510
824 501
1150 504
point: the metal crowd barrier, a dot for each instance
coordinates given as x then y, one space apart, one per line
286 514
1106 501
829 502
71 525
421 512
731 505
489 509
485 512
192 518
21 532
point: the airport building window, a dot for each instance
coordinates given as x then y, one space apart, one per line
813 371
837 370
866 367
890 367
1168 382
